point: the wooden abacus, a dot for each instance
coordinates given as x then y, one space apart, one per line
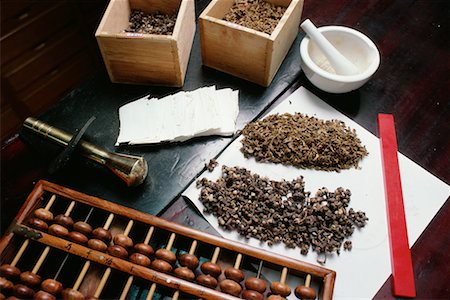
115 249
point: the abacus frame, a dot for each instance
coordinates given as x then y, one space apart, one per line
34 198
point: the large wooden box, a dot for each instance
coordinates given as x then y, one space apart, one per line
244 52
146 58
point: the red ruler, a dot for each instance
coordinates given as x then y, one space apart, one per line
402 270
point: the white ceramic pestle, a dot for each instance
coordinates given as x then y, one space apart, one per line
339 62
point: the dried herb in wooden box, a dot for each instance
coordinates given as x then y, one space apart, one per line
281 211
304 142
255 14
151 23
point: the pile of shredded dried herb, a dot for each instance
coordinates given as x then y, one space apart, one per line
281 211
151 23
255 14
304 142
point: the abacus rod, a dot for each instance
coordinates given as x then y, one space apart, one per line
176 295
50 202
131 278
238 261
308 280
171 240
67 255
128 228
283 275
27 242
149 235
81 276
20 252
151 292
102 283
126 288
105 276
193 247
259 269
47 249
69 209
215 255
88 263
108 221
41 260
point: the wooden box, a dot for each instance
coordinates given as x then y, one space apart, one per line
244 52
146 58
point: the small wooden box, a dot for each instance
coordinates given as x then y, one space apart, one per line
244 52
146 58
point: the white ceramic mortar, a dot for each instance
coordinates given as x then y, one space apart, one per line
354 45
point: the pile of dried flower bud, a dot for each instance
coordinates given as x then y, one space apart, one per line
281 211
255 14
151 23
304 142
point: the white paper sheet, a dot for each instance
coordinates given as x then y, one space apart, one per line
179 117
364 269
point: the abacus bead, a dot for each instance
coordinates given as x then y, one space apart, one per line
188 260
43 214
140 259
145 249
185 273
22 291
303 292
161 266
77 237
117 251
97 244
275 297
280 288
30 279
38 224
52 286
2 297
231 287
212 269
234 274
166 255
5 284
102 234
123 240
207 280
63 220
256 284
82 227
71 294
252 295
9 271
58 230
41 295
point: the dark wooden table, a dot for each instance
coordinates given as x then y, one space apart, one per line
412 84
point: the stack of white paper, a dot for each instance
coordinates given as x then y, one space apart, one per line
179 117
